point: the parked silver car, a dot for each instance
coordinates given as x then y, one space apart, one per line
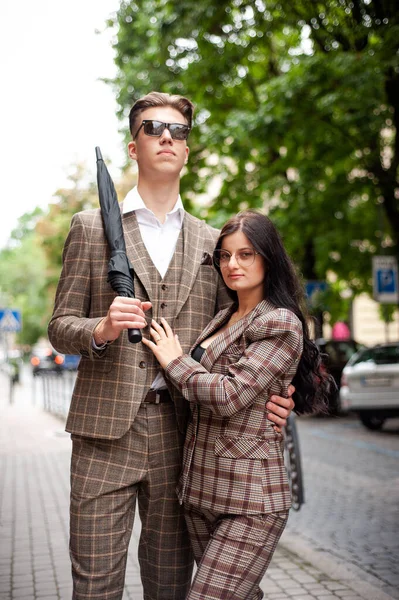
370 384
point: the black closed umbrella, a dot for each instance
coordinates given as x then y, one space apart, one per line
120 271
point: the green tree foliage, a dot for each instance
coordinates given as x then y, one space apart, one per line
23 278
297 113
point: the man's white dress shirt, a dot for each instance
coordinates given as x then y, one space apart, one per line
160 239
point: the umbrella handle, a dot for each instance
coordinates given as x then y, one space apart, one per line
134 336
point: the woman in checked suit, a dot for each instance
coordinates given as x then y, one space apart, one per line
233 483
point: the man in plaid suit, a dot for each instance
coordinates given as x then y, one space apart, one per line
127 424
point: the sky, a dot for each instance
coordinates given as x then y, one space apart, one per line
54 109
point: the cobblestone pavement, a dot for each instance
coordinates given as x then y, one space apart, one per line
34 562
352 495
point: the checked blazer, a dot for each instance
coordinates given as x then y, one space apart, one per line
233 459
111 383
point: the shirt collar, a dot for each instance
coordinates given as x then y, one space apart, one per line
133 201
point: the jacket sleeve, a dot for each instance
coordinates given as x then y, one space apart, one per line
272 355
70 329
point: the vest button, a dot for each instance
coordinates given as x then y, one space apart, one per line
164 305
142 364
164 287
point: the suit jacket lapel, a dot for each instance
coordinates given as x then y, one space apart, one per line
223 341
214 325
136 250
230 335
193 251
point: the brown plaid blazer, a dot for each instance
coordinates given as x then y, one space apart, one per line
233 459
111 383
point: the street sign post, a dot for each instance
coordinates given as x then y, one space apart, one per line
10 320
385 279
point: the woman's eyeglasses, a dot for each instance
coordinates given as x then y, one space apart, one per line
244 258
178 131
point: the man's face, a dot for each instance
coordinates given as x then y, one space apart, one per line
163 155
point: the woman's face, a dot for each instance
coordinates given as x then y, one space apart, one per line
243 270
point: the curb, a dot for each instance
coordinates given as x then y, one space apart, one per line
365 585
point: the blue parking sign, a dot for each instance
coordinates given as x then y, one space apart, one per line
385 279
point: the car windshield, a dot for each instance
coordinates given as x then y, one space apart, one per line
380 355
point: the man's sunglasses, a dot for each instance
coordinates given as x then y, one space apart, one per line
178 131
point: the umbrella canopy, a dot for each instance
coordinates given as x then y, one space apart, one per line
120 271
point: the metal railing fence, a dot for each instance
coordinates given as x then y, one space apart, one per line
54 391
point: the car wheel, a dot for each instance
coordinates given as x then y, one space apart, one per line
371 421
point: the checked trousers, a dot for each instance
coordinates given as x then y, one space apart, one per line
232 552
108 478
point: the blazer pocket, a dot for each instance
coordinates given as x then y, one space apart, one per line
207 259
242 447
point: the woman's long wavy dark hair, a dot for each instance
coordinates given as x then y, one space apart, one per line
283 288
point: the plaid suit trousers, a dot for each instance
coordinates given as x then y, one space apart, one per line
232 552
107 476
